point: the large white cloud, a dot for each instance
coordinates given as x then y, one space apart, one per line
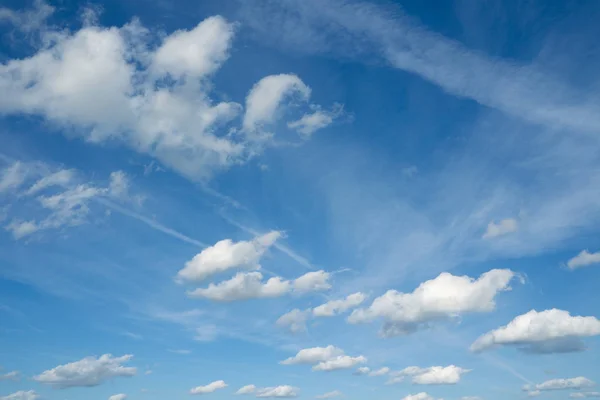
211 387
443 297
266 96
547 331
437 375
21 395
89 371
150 92
250 285
579 382
335 307
226 255
584 259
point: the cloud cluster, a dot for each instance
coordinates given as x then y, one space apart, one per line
227 255
328 358
149 92
89 371
443 297
211 387
283 391
549 331
437 375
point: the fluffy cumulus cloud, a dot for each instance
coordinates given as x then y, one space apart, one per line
248 389
266 96
90 371
250 285
226 255
148 91
294 321
443 297
504 227
330 395
211 387
335 307
328 358
437 375
579 382
549 331
419 396
21 395
119 396
584 259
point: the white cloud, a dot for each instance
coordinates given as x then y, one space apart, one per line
60 178
294 321
504 227
362 371
560 384
314 355
27 20
278 391
533 393
249 285
211 387
330 395
128 85
10 376
312 281
119 396
226 255
443 297
583 395
13 176
419 396
335 307
339 362
319 119
89 371
21 395
265 97
380 372
197 52
248 389
583 259
437 375
547 331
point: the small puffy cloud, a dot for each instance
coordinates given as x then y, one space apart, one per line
250 285
362 371
119 396
335 307
10 376
314 355
339 362
294 321
89 371
226 255
311 122
583 395
248 389
549 331
584 259
504 227
437 375
419 396
211 387
444 297
265 98
21 395
312 281
330 395
278 392
579 382
197 52
380 372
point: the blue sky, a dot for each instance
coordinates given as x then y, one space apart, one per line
312 199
